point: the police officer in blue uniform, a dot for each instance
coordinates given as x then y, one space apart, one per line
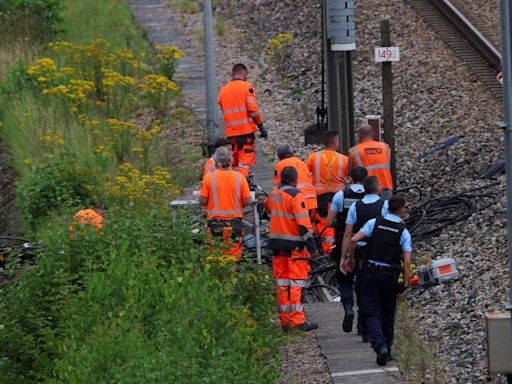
336 218
369 207
388 251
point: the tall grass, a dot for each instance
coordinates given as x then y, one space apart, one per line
86 20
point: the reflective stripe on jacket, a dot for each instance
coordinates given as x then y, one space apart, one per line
288 211
304 180
225 191
329 170
375 156
237 101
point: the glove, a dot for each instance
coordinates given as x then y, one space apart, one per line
314 254
263 131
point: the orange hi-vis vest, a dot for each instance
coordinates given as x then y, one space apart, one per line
304 180
237 101
375 156
288 211
209 166
329 169
225 191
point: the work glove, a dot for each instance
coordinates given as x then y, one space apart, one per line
263 131
314 254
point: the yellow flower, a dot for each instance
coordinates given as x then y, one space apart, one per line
156 84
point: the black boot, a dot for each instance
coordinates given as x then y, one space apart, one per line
307 326
348 319
382 357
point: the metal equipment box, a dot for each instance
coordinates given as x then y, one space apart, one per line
499 342
340 25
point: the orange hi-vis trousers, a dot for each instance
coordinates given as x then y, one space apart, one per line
231 235
291 274
244 153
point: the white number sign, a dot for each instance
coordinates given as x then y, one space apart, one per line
385 54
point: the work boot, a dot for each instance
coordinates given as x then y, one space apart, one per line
307 326
382 357
348 319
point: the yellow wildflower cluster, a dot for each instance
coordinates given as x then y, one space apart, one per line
280 41
146 135
52 139
44 70
166 53
167 58
156 84
118 126
113 78
278 51
76 90
134 186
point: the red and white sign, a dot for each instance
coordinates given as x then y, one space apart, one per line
386 54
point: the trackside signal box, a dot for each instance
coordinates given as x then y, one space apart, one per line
499 342
340 24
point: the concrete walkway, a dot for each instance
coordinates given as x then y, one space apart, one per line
161 26
349 360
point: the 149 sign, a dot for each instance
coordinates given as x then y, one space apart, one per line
385 54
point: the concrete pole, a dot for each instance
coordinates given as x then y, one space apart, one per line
213 125
506 44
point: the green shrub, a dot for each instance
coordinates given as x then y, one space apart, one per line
52 185
135 304
33 12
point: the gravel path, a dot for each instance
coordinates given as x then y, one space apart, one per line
435 97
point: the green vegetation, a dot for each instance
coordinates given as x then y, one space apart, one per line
93 117
417 359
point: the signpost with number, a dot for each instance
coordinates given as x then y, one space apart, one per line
386 55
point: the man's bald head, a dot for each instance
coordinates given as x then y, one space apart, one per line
365 132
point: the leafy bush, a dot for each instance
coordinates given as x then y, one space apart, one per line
135 305
34 11
52 185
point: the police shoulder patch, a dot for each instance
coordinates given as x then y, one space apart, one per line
251 90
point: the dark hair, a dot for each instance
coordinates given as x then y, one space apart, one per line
221 142
371 185
237 68
329 137
289 176
358 174
396 203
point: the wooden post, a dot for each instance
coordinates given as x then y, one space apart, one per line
387 98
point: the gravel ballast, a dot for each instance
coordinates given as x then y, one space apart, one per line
435 97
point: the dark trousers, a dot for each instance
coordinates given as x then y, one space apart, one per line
378 299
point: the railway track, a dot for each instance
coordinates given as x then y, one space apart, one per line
468 42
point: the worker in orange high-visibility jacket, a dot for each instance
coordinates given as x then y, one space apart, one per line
375 156
91 217
291 240
209 165
329 170
237 100
287 158
225 193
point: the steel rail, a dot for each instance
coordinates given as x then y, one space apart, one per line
461 22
